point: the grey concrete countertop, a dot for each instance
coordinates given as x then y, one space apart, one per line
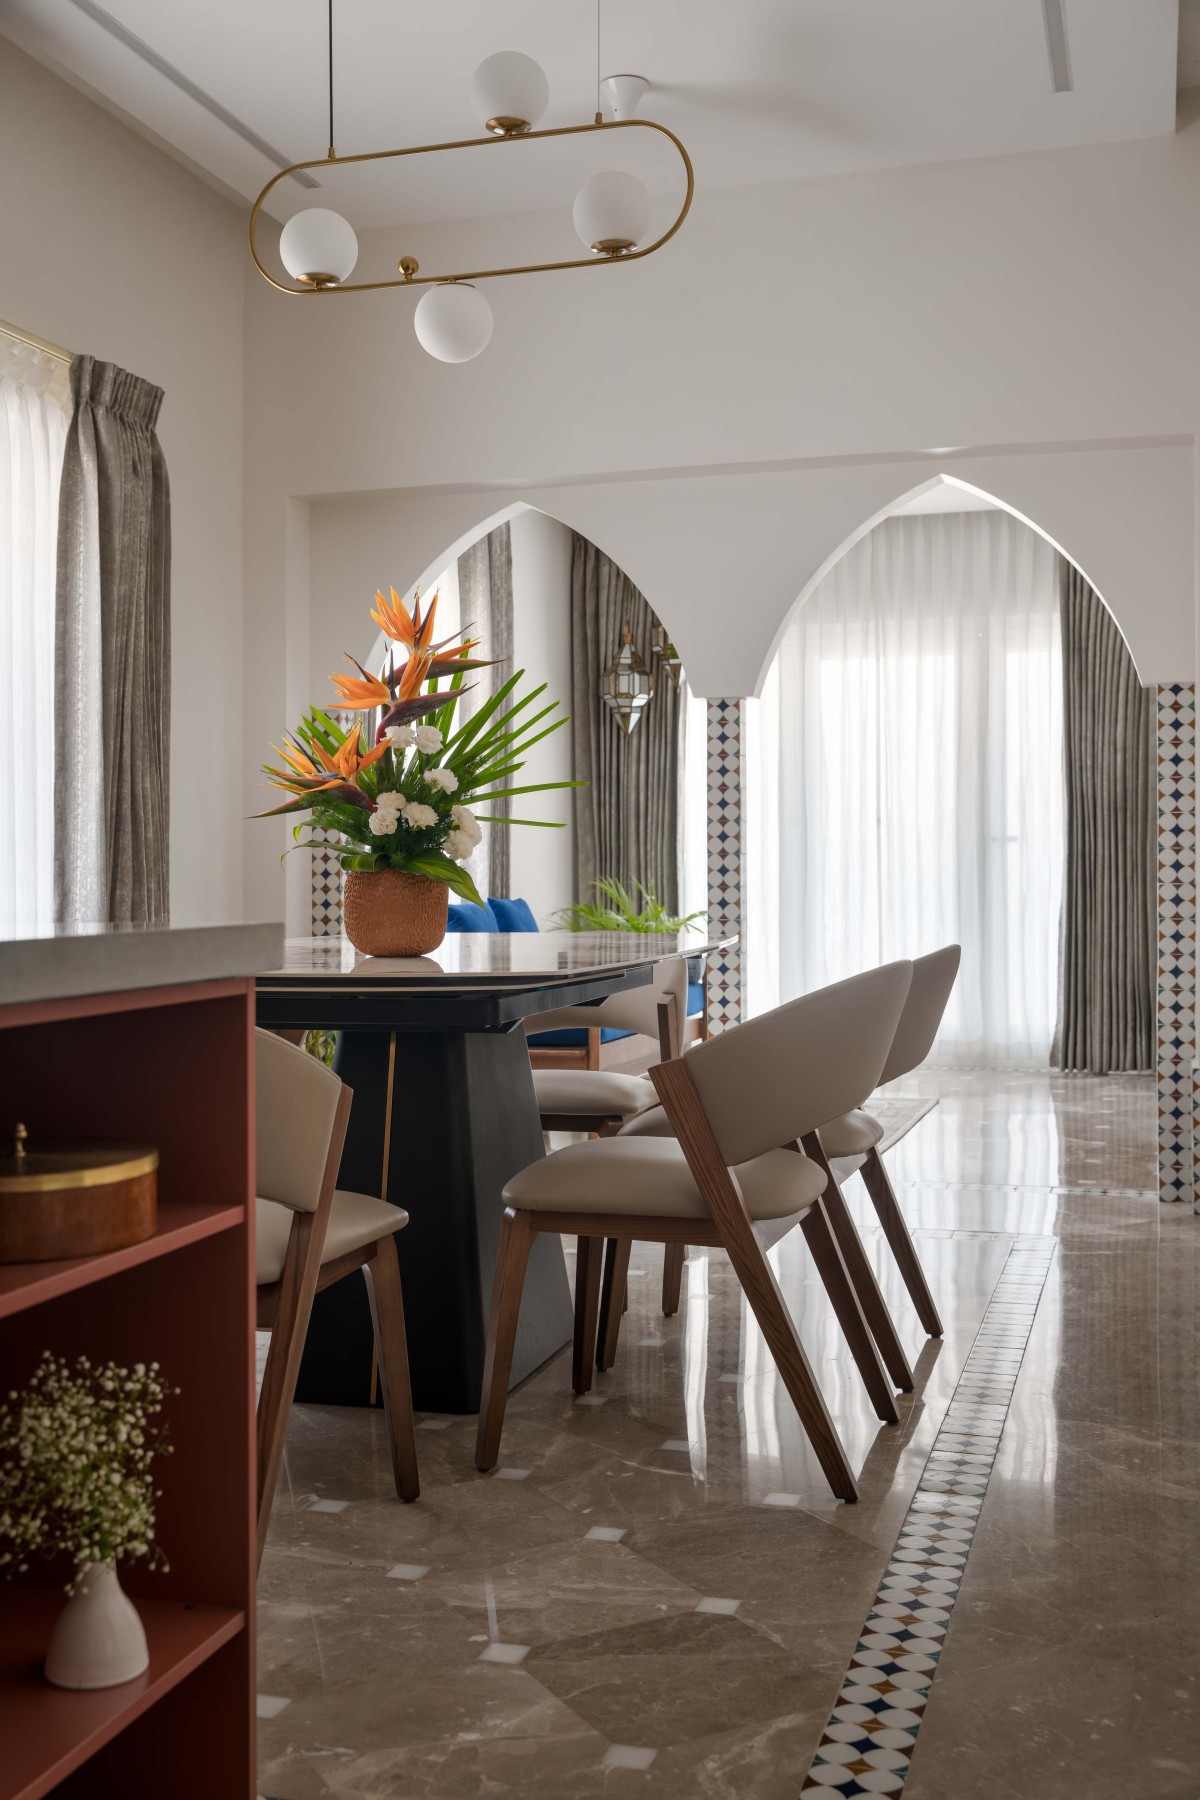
107 959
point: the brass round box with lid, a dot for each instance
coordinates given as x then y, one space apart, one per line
59 1200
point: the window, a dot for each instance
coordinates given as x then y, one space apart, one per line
904 778
34 411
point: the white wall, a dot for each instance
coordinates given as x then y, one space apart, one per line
110 247
720 418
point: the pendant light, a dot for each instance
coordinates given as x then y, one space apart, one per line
453 322
612 214
627 686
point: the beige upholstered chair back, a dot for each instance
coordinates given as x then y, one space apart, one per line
296 1103
633 1010
774 1078
933 979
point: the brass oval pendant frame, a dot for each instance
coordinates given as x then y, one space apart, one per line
524 137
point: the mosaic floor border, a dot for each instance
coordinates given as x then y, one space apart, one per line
871 1735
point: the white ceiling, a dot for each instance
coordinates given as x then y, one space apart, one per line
758 89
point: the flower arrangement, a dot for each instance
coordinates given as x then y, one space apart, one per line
622 912
76 1449
406 802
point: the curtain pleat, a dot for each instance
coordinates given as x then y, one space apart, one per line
1106 970
113 654
485 603
34 408
903 783
628 818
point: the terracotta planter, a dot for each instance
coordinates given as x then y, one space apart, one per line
386 913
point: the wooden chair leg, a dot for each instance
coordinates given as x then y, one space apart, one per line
297 1285
588 1258
896 1231
832 1270
616 1272
754 1272
386 1297
508 1282
673 1255
858 1267
762 1290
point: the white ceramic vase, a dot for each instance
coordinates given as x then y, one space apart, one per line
98 1641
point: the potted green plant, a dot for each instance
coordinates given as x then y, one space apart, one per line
404 806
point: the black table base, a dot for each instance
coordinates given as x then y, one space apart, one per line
455 1115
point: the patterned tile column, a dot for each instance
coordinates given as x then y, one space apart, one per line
725 858
327 879
1175 1001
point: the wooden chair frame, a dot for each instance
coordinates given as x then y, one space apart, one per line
670 1045
895 1230
729 1227
285 1307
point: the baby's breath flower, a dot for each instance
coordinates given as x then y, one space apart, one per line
76 1449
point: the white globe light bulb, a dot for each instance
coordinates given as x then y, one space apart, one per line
509 92
612 213
453 322
318 247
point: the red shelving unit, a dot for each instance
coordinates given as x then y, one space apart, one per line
173 1067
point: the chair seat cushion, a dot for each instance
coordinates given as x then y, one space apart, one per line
591 1093
852 1135
649 1176
354 1220
651 1123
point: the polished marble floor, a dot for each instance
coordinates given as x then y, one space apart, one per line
655 1593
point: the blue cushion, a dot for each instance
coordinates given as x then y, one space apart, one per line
573 1037
464 915
512 915
695 998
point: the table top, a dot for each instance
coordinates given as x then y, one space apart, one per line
473 980
65 961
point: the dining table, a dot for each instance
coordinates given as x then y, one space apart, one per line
443 1115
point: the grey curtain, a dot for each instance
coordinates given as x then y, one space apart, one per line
627 820
485 606
1106 967
113 655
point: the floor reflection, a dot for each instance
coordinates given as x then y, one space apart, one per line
658 1590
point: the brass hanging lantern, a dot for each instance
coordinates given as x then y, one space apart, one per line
665 655
627 685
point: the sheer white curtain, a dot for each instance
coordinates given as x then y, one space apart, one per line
904 778
34 412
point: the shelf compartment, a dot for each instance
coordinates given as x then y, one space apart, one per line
180 1222
48 1732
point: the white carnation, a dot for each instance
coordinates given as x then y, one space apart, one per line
466 822
401 737
427 738
418 816
445 779
458 846
383 823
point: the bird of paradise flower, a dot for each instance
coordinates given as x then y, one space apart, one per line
407 801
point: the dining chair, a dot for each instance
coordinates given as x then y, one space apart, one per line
631 1011
602 1101
310 1234
853 1140
737 1105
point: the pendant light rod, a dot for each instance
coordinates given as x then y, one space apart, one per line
332 151
599 112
